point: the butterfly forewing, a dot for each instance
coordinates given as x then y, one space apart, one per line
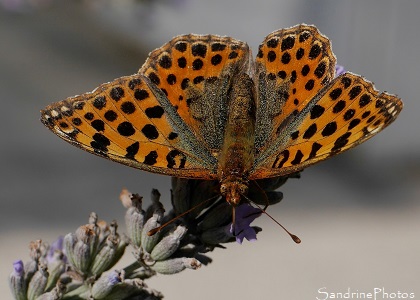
196 73
343 115
292 65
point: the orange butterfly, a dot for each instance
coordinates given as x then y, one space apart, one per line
202 108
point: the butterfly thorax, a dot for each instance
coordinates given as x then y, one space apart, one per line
237 154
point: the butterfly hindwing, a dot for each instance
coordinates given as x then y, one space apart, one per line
342 115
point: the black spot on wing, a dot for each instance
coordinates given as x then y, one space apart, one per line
172 158
281 159
317 111
165 62
151 158
199 50
287 43
335 93
99 125
172 136
99 102
314 149
117 93
298 158
315 51
310 131
181 46
341 142
110 115
141 94
100 142
218 47
132 150
272 43
154 112
126 129
150 132
128 107
329 129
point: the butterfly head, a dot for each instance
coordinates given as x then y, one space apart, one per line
233 190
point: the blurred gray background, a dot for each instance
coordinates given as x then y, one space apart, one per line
357 214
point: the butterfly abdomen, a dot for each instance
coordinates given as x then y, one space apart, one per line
237 154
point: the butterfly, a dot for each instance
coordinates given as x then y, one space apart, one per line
202 108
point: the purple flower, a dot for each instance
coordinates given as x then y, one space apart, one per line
339 70
17 281
57 245
114 278
18 267
245 214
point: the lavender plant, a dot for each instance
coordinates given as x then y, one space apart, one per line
74 266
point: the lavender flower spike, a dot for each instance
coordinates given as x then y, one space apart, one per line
245 214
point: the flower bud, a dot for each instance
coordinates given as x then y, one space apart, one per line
38 282
35 250
35 254
134 220
156 205
104 259
152 294
56 267
82 250
81 254
175 265
17 281
126 198
169 244
104 285
68 244
142 273
149 242
30 269
93 232
127 288
56 293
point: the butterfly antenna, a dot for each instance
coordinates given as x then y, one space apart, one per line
267 203
295 238
157 229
